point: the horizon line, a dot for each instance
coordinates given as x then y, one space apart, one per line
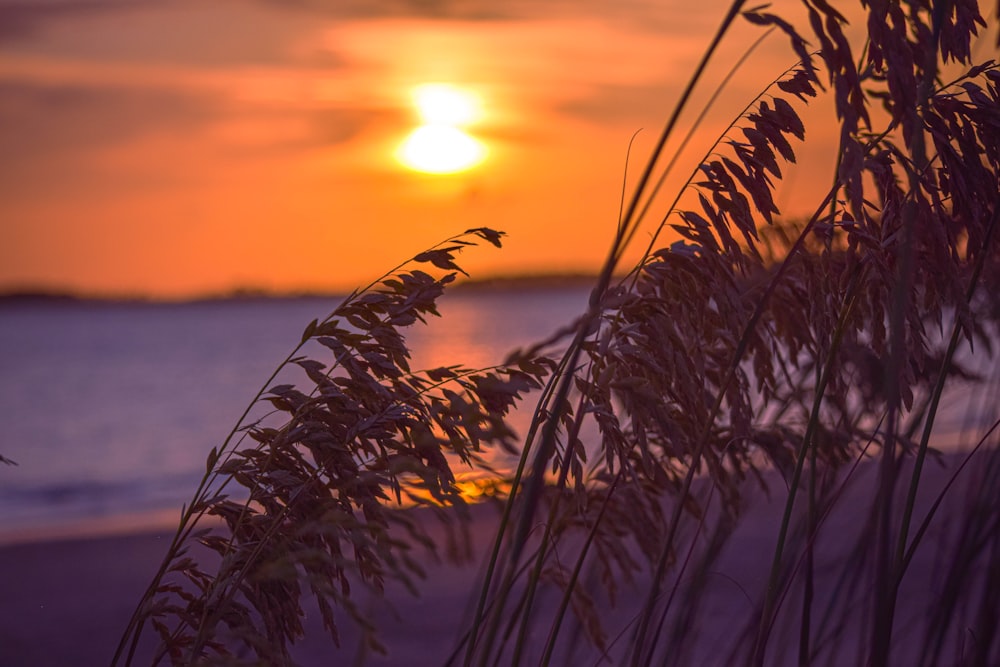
18 294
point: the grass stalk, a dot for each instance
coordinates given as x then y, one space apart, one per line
885 587
807 446
547 539
550 642
956 333
663 365
544 403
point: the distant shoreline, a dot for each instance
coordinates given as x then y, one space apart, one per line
498 283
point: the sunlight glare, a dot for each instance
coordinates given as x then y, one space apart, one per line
441 149
442 104
440 145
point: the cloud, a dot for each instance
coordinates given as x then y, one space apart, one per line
59 136
40 119
462 10
644 14
222 33
525 70
55 137
333 126
620 103
25 19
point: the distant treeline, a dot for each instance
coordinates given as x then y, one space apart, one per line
523 282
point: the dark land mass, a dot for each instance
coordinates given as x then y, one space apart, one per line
498 283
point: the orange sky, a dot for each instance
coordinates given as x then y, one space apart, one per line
186 147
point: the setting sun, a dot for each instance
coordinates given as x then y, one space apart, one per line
442 104
440 145
441 149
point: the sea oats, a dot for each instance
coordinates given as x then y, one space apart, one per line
744 351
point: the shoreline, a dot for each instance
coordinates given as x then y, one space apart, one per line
89 528
67 600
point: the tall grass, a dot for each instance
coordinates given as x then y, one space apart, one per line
743 352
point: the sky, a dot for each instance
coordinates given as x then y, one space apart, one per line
174 148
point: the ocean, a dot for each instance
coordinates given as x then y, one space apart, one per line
109 409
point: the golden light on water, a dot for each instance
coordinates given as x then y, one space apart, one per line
441 145
473 487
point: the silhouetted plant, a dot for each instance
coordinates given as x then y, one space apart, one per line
748 344
304 504
745 348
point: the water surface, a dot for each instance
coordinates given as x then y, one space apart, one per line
109 409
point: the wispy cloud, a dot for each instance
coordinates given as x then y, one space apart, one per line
202 118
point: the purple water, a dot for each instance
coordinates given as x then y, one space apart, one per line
109 409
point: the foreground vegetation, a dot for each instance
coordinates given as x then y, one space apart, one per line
739 345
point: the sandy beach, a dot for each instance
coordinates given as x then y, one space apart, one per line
65 602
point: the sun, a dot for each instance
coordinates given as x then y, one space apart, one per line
441 149
440 145
444 104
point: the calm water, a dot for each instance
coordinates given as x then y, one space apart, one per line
110 409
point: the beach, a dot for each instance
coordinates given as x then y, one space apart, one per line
66 602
